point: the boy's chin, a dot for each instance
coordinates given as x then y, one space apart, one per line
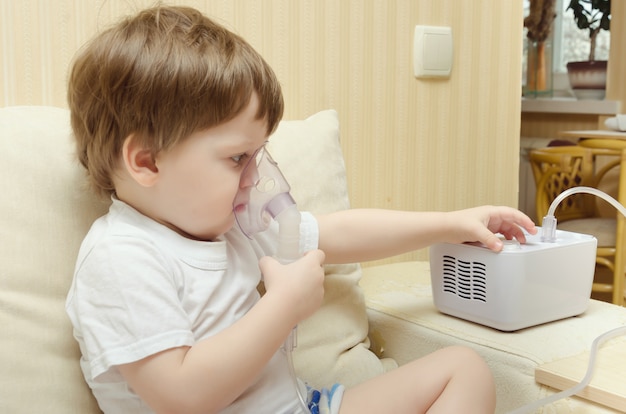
206 236
212 233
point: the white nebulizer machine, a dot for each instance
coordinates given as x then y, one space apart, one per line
521 286
264 195
545 279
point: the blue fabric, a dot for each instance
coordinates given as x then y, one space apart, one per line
325 401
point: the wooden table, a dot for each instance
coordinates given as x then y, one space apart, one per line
613 140
593 134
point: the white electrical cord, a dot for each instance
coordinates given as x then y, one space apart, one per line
548 227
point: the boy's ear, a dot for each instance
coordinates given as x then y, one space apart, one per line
139 162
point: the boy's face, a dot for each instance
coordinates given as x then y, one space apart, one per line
199 178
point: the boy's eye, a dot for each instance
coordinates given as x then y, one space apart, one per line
240 159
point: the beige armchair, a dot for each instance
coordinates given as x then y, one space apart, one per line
46 210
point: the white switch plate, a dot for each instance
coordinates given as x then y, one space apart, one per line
432 51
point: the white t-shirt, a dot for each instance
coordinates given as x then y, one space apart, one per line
140 288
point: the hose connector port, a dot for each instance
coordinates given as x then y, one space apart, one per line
548 229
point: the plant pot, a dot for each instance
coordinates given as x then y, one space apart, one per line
587 78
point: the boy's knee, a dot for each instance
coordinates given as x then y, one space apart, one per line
469 360
464 353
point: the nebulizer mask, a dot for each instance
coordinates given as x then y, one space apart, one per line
264 195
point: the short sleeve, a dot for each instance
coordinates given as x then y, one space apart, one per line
129 308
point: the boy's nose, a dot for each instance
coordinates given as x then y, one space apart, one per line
250 175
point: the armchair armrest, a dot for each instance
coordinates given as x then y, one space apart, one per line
405 325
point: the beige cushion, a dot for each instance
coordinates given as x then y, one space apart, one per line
45 213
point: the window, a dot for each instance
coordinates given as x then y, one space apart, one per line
569 44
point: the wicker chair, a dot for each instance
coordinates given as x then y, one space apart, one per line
556 169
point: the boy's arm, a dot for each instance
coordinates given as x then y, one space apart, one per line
368 234
211 374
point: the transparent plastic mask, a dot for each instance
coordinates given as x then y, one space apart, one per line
263 194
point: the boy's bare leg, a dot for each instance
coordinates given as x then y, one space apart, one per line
450 380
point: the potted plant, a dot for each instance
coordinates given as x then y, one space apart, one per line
588 78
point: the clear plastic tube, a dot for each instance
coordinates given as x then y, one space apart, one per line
548 225
288 251
548 234
292 370
613 333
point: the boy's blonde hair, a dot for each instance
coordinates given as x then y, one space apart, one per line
160 76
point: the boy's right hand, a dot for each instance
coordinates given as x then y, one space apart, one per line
300 284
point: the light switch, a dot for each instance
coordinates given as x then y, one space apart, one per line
432 51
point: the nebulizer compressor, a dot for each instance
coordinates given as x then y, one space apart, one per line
546 279
264 195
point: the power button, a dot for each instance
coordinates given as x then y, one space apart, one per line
511 245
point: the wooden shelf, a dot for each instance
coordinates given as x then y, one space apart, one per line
570 106
593 134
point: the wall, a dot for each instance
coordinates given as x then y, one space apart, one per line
408 143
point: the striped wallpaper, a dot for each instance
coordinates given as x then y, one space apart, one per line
409 143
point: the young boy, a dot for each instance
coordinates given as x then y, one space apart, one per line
167 108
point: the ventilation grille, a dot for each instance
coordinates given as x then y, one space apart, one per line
465 279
